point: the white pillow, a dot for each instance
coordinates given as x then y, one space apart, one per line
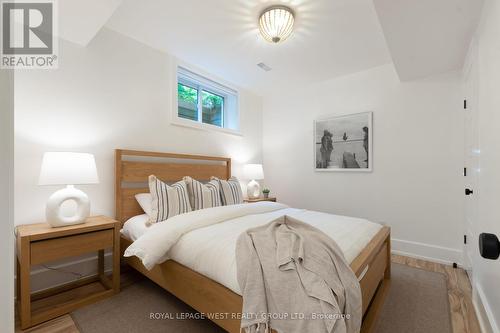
167 201
230 191
135 227
203 195
144 200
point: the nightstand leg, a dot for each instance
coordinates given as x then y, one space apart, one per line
116 261
100 264
24 284
18 281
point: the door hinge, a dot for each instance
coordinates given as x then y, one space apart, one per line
465 172
465 104
465 239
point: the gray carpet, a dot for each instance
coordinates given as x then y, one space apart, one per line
417 302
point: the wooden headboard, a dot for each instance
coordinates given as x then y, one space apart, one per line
132 169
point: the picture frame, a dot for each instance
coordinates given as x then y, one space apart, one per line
344 143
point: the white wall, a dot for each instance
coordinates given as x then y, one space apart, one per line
415 186
485 56
114 93
6 200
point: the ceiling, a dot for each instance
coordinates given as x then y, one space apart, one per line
80 21
427 37
331 37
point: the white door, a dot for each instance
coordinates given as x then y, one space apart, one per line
482 208
471 164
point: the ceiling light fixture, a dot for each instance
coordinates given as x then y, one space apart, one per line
276 23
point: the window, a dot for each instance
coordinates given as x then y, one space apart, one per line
188 102
206 102
212 106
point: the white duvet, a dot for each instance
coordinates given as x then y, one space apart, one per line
205 240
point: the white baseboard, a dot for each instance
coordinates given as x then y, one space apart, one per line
428 252
483 311
43 278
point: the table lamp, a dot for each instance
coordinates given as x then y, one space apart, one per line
63 168
253 172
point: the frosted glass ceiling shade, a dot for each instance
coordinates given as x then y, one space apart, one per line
276 23
253 171
61 168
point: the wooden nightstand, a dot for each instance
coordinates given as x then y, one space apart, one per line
40 243
260 199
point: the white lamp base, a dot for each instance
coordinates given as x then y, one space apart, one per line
253 190
53 212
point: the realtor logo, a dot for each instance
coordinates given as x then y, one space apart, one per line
28 34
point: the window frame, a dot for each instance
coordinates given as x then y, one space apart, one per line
204 82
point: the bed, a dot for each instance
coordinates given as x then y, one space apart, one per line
218 295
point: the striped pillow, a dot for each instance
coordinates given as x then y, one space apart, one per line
203 195
167 201
230 191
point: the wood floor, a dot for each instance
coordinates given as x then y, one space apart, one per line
463 316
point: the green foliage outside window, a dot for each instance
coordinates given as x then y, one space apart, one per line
188 94
188 102
212 105
212 108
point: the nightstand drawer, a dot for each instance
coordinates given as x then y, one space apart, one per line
57 248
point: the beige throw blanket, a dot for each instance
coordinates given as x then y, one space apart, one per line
294 278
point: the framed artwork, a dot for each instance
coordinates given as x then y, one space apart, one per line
344 143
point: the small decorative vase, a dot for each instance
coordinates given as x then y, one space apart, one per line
266 195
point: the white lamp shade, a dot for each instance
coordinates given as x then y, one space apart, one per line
253 171
62 168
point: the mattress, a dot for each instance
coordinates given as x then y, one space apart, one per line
210 250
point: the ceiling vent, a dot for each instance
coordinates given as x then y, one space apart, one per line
264 67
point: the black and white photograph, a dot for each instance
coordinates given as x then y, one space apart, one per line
343 143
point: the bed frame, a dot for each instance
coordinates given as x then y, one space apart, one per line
373 264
